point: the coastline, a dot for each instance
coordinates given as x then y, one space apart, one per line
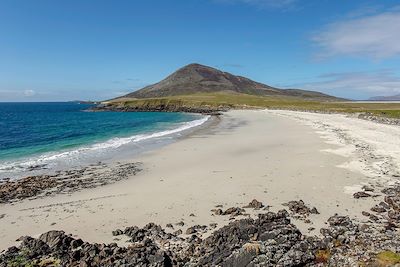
107 151
161 107
53 182
219 110
243 157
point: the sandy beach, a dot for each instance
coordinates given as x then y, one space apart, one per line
271 156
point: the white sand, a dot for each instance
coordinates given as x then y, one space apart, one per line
372 148
273 156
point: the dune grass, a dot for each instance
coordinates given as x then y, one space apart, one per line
240 101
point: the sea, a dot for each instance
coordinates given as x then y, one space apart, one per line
42 137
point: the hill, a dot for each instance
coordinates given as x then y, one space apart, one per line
196 78
386 98
201 89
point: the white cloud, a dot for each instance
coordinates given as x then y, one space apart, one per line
277 4
17 93
375 36
29 93
383 82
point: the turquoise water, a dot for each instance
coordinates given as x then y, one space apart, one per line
40 133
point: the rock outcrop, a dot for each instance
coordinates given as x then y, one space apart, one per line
65 181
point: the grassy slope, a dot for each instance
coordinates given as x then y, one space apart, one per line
250 101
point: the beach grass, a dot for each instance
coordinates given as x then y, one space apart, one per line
244 101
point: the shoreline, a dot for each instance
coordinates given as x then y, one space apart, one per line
118 149
205 109
243 157
161 107
53 182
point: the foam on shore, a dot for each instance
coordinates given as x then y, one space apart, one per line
49 160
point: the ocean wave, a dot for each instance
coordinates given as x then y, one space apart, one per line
114 143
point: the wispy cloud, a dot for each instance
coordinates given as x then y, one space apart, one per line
29 93
382 82
17 93
365 10
373 36
269 4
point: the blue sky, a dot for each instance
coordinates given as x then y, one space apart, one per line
81 49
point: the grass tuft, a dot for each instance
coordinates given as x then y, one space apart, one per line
388 258
322 256
252 248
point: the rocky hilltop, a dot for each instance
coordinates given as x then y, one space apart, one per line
196 78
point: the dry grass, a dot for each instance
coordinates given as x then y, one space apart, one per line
252 247
322 256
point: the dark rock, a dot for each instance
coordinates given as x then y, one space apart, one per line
56 240
368 188
239 242
117 232
365 213
213 225
181 223
190 230
314 211
242 257
390 226
393 201
234 211
269 240
254 204
337 220
232 245
394 215
178 232
361 195
76 243
196 228
378 208
299 208
217 211
63 182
